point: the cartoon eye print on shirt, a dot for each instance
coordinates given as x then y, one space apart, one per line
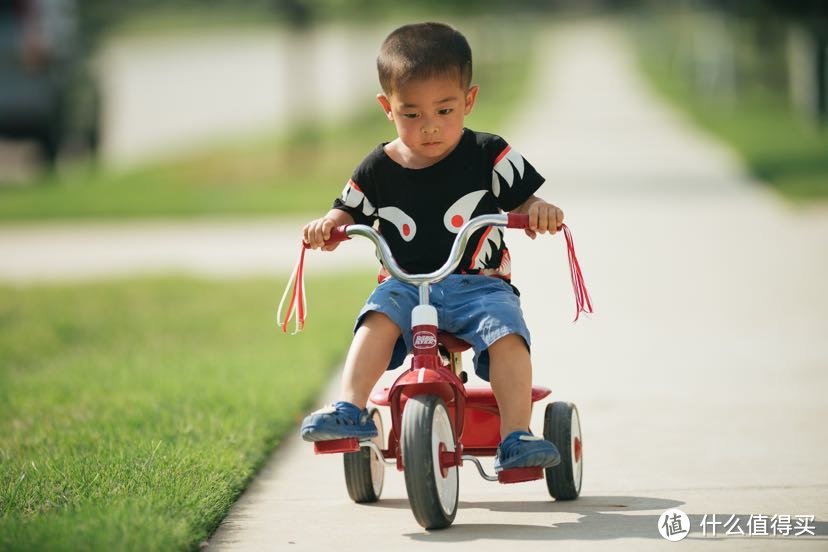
505 165
460 212
405 224
352 196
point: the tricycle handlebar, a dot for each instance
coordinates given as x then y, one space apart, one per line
340 233
509 220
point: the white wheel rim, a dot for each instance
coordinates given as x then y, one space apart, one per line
446 486
377 465
576 449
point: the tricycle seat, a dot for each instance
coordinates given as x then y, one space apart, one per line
451 343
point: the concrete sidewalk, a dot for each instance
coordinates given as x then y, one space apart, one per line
38 252
701 380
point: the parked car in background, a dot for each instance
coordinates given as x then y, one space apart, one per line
47 90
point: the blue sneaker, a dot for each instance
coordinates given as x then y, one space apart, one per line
521 449
340 420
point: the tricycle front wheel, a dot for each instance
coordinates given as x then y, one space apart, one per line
426 433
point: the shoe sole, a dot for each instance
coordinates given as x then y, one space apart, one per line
527 463
311 435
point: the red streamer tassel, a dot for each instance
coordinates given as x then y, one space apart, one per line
582 301
297 297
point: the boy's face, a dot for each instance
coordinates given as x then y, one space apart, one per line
429 116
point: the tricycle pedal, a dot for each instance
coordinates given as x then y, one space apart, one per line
349 444
520 475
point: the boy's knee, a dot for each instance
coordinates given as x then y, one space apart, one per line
509 344
379 323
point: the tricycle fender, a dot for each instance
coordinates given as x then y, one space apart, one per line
428 381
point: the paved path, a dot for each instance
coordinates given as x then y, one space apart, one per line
61 251
701 381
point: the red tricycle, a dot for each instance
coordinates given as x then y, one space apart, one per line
437 423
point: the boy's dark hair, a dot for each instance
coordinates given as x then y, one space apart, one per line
422 51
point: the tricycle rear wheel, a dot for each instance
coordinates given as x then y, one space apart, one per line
426 433
364 471
562 426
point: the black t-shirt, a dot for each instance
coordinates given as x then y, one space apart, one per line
421 210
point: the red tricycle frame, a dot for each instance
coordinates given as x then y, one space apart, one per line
448 422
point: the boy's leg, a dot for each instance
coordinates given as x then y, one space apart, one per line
510 373
481 310
368 357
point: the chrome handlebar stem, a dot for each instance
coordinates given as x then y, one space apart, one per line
448 267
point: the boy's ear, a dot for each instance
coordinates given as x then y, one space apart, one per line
386 106
471 97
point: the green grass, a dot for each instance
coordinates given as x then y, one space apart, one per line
779 147
133 413
298 173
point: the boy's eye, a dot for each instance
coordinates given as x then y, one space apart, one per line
410 115
445 111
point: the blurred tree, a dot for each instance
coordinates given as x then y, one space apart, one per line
774 23
812 16
297 12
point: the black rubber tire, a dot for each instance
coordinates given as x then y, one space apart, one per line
364 472
424 481
564 480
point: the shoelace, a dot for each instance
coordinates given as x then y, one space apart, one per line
299 300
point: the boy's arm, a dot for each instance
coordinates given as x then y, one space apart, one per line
317 231
543 217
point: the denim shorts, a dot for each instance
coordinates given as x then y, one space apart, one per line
477 309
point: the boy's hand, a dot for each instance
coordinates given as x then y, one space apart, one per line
543 217
317 231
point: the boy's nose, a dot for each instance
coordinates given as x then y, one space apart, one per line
430 129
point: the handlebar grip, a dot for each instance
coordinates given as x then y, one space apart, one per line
337 235
517 220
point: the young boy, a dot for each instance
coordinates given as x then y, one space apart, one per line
422 187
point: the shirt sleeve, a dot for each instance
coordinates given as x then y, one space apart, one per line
514 179
358 198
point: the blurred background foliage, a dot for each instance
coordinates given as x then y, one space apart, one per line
752 72
755 73
274 166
